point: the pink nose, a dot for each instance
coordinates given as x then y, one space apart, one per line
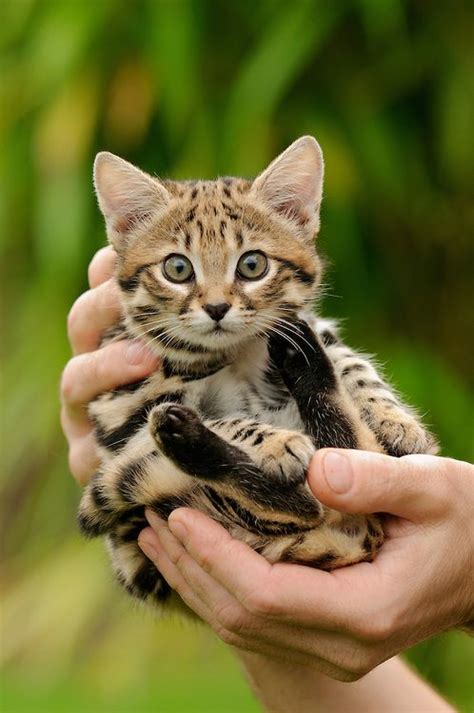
216 312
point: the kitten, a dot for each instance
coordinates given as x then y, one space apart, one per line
219 278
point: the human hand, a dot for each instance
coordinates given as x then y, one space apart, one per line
93 370
348 621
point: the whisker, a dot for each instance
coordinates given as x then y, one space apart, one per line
272 328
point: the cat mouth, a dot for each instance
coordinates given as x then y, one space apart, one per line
219 330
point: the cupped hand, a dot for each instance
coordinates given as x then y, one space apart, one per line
93 370
348 621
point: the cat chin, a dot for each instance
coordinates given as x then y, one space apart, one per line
224 338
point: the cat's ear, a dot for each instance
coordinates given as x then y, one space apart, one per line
127 196
292 185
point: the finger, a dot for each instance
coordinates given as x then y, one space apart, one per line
210 593
83 458
152 547
216 551
412 487
286 592
88 375
75 423
102 266
92 313
231 621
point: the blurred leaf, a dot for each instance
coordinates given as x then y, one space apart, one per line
191 88
291 37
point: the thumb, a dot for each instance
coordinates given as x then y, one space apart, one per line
413 487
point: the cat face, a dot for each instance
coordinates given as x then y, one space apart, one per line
214 263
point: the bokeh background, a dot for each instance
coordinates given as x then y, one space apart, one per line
195 88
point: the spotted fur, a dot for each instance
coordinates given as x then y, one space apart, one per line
231 419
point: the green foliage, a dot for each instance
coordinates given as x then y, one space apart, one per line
193 88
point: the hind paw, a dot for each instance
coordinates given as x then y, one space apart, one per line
174 426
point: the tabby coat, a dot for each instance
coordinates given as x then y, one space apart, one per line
219 278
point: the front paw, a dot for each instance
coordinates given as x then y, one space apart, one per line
296 351
286 455
400 438
175 427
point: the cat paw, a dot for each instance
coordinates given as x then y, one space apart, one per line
297 353
174 426
286 455
292 346
400 438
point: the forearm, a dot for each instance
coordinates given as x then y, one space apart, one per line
392 687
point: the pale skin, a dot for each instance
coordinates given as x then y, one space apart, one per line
301 632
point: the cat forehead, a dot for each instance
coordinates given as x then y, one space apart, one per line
208 214
212 220
209 191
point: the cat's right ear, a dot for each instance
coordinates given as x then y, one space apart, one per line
127 197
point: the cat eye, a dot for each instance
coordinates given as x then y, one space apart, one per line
252 265
177 268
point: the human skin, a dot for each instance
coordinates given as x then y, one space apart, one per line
343 623
93 370
348 621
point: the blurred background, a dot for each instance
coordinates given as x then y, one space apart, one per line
196 88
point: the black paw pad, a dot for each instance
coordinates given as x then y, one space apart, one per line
175 423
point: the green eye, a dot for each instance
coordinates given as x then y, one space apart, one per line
177 268
252 266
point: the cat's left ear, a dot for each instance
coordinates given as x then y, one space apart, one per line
292 185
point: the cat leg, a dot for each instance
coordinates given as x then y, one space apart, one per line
330 418
265 464
394 424
282 519
139 476
113 504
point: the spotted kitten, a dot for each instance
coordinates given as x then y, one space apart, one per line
219 278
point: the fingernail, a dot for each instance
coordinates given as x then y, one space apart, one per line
338 472
178 529
137 353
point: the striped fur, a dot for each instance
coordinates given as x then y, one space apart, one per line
231 419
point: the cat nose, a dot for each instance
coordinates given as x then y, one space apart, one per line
216 312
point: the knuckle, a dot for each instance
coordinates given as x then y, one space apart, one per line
359 662
231 617
82 464
99 367
375 629
261 603
75 461
347 676
68 381
205 559
179 557
228 637
100 265
64 421
75 313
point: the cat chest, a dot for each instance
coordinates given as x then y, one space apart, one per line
224 395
